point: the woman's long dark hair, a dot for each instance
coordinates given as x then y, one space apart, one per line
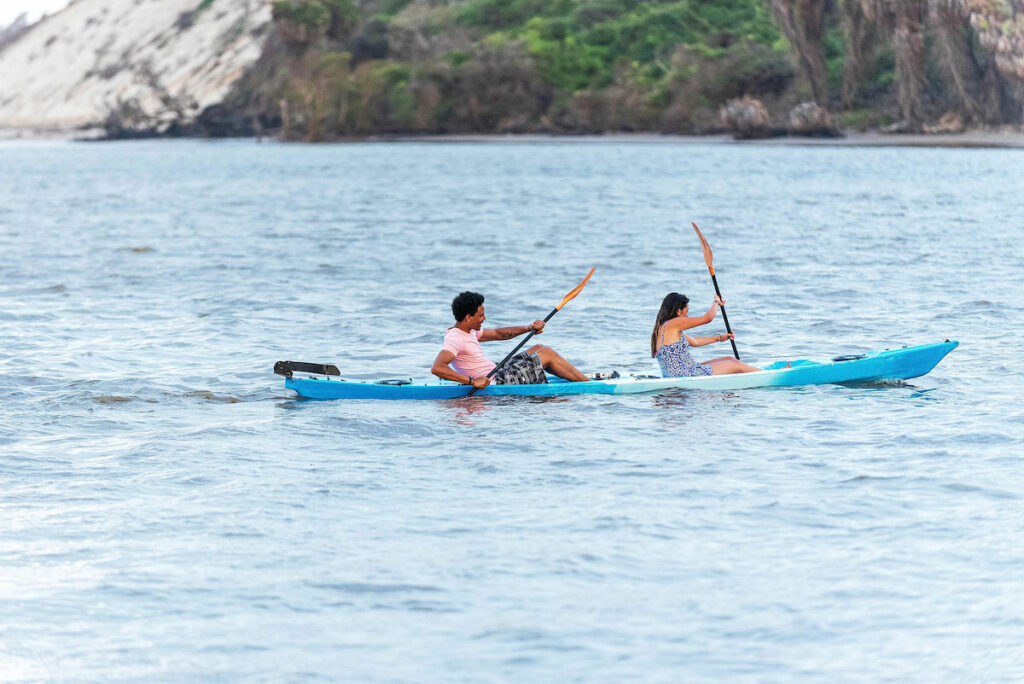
670 307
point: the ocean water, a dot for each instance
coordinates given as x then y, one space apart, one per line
169 512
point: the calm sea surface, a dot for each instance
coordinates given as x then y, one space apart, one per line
169 512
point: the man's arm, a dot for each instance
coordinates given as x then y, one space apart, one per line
443 369
509 333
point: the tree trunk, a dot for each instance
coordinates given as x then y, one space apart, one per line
860 39
908 46
951 19
803 23
1000 30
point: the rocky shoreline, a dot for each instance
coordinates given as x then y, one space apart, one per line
1002 138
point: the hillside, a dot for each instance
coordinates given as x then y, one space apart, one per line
429 66
337 68
140 64
332 69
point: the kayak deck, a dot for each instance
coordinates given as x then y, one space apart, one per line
894 364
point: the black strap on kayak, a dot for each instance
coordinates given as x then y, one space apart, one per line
286 368
849 357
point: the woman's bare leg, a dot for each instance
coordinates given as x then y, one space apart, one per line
556 365
728 365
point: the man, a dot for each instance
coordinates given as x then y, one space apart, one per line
461 349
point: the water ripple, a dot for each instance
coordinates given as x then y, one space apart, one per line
170 511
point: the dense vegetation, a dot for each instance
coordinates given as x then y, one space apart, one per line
338 68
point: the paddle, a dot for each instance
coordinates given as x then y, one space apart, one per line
711 269
565 300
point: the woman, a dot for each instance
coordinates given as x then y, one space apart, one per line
671 346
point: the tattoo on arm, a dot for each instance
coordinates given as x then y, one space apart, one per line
507 333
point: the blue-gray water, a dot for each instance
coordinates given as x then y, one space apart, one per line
168 512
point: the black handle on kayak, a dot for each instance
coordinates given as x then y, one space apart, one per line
513 352
725 318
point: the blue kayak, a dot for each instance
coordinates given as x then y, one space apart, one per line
894 364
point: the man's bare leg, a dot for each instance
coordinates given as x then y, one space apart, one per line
556 365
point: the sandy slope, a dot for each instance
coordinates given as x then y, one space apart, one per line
74 65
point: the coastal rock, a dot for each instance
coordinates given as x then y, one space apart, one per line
812 120
746 117
15 30
144 66
950 122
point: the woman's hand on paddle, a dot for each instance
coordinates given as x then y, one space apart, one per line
725 337
537 326
719 301
481 382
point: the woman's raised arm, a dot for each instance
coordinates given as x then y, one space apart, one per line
687 322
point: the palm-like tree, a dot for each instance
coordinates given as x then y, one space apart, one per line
860 39
803 23
1000 30
951 20
906 20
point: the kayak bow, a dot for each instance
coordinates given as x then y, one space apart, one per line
895 364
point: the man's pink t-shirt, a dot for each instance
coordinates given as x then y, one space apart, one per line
469 357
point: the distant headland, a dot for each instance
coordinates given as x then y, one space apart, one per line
938 73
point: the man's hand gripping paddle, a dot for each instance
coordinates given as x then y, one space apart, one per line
565 300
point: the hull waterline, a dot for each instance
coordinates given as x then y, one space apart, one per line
895 364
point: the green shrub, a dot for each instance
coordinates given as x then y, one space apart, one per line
344 17
856 118
566 62
389 8
456 57
503 14
309 13
301 22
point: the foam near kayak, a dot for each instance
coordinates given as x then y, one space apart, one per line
893 364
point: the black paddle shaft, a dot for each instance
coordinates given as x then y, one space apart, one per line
725 318
513 352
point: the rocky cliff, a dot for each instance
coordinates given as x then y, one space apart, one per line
334 69
150 64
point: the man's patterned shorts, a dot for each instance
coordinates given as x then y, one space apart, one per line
521 369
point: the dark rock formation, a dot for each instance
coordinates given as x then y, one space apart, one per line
747 118
812 120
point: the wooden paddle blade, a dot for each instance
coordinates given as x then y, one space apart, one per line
575 291
706 247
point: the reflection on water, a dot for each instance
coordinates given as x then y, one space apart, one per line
464 409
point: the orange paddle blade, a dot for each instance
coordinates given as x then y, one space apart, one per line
706 247
575 291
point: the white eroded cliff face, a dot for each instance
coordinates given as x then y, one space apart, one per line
168 58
